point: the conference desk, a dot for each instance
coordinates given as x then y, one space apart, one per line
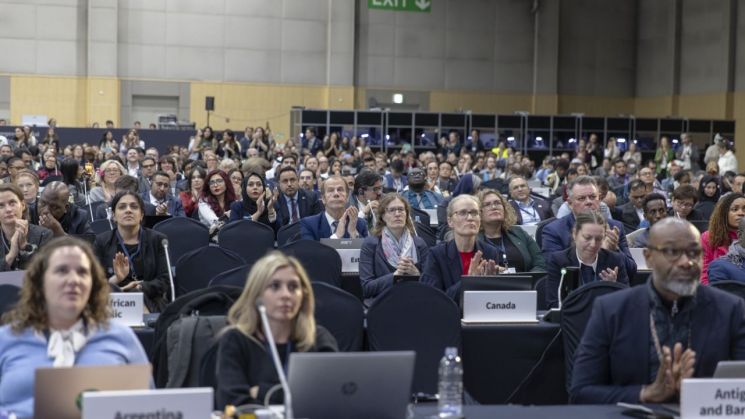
502 359
496 359
529 412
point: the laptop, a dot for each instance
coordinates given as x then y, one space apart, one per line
638 254
730 369
58 392
351 385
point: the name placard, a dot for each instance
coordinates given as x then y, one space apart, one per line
349 252
712 398
432 216
127 308
177 403
500 306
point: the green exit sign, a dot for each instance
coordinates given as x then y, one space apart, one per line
401 5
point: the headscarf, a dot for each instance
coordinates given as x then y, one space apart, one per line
249 205
704 181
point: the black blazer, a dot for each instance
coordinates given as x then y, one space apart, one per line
568 257
543 208
156 285
308 204
443 268
376 274
37 236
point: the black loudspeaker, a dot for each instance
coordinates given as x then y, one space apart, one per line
209 103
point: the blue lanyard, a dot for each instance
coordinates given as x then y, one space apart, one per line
133 272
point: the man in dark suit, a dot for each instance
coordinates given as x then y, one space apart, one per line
294 203
688 153
583 196
158 196
395 181
310 142
336 221
632 213
640 343
55 212
529 210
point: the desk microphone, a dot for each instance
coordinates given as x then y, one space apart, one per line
87 199
275 357
170 271
554 315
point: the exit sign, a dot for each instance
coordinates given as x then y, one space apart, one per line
401 5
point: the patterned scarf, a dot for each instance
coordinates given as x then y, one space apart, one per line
736 253
394 249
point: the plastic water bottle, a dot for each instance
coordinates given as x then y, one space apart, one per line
450 385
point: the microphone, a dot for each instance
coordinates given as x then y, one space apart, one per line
164 243
275 358
554 315
561 282
87 199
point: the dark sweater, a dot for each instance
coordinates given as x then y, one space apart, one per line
243 362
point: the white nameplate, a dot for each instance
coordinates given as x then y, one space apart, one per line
500 306
349 252
12 278
712 398
182 403
127 308
542 191
432 216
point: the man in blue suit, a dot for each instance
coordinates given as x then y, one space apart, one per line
583 196
345 221
310 142
640 343
294 202
158 196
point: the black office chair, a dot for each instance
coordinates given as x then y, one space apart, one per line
575 313
426 233
249 239
419 317
733 287
342 314
101 226
93 208
422 215
540 287
321 262
196 269
9 295
539 231
288 233
184 235
235 277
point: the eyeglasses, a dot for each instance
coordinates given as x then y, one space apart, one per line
683 204
394 210
217 181
492 204
672 253
463 214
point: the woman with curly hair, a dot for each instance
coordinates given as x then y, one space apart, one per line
217 196
61 320
722 230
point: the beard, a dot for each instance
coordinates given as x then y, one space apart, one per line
682 288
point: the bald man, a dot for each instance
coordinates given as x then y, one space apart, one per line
669 327
55 212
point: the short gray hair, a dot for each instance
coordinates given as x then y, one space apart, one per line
463 197
580 180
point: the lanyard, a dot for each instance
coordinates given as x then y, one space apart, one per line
656 338
131 257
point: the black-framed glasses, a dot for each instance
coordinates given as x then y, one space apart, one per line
673 253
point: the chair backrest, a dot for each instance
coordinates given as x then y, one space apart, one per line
415 316
288 233
342 314
196 269
249 239
9 295
426 233
734 287
234 277
575 312
93 207
101 226
422 214
539 231
184 235
188 339
321 262
540 287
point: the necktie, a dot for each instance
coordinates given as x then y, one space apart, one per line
294 210
334 225
588 275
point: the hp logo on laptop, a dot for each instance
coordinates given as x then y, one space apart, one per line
349 388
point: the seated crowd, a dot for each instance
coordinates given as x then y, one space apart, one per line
599 204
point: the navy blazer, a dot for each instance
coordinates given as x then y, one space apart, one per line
307 203
316 228
443 268
175 207
375 273
542 208
557 235
612 360
388 182
722 269
568 257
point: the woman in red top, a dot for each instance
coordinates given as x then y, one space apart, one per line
722 230
194 185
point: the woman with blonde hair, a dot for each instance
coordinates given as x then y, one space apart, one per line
108 173
244 364
61 320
